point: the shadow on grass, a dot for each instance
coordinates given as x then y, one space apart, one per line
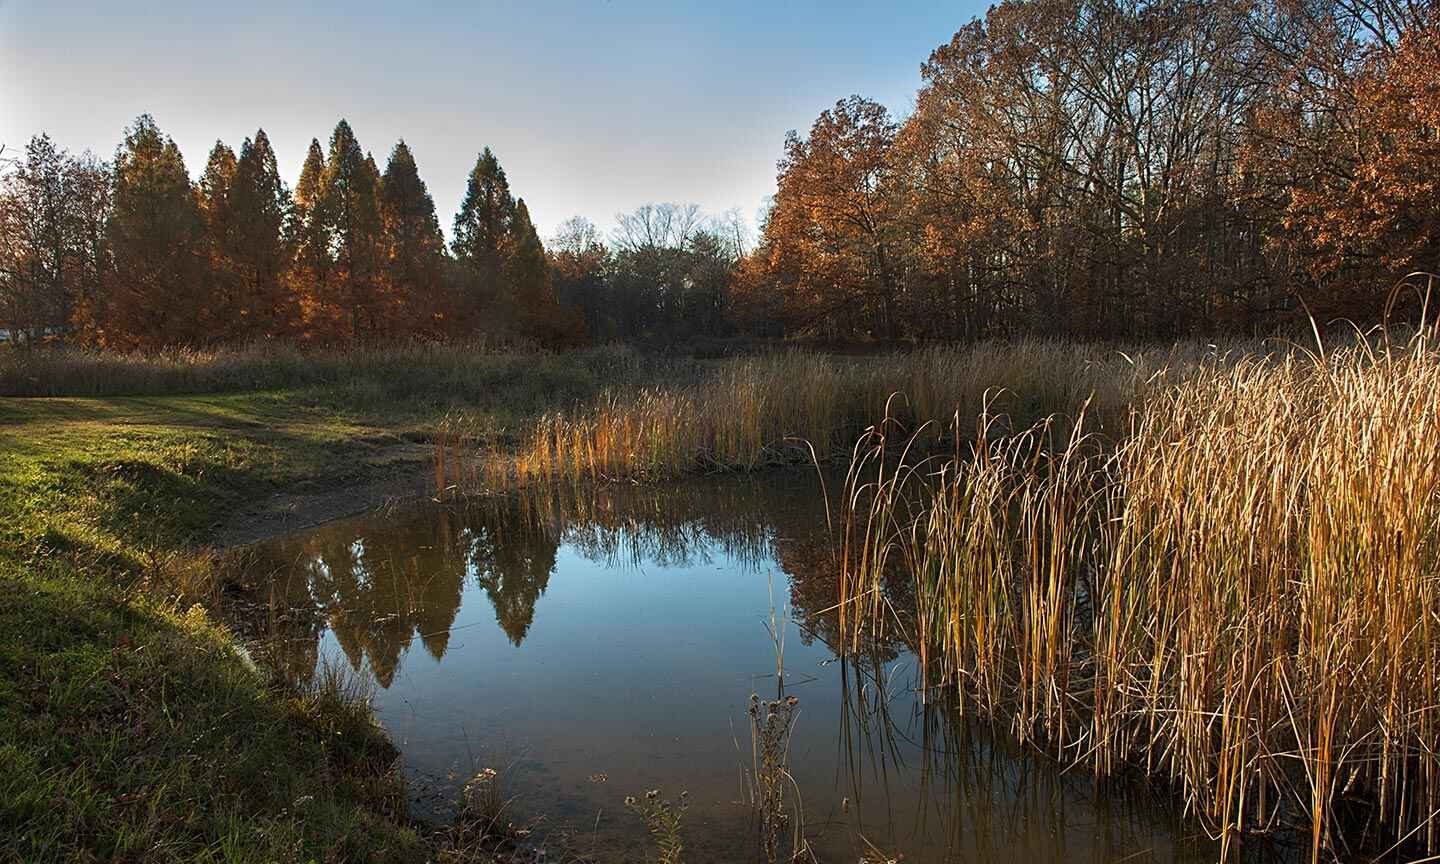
138 732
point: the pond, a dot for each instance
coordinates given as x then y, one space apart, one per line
591 644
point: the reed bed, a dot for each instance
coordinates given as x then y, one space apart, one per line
1241 595
752 412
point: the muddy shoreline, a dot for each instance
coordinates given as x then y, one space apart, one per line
297 508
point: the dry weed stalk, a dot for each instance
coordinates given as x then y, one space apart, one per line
1240 596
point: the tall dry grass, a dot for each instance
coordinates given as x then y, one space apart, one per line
457 372
756 411
1241 595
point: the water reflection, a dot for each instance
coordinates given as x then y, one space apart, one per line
380 584
619 632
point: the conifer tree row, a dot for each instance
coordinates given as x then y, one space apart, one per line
144 258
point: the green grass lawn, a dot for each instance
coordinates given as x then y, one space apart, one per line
132 726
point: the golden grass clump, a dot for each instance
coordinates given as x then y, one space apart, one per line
1240 595
756 411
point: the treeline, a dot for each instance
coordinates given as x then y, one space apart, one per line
1085 168
135 255
1119 168
132 254
665 278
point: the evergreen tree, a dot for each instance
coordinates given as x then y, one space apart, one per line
351 305
309 238
157 290
259 205
215 184
482 232
414 246
483 223
222 314
529 288
527 274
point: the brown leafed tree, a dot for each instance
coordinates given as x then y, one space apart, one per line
259 252
156 292
309 239
223 320
350 303
53 209
834 239
1345 153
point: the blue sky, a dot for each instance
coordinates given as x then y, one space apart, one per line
593 106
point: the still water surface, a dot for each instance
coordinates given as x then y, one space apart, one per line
597 644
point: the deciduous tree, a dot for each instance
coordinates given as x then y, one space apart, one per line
48 210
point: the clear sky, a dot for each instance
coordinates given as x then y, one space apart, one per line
593 107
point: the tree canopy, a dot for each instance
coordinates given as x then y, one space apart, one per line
1102 169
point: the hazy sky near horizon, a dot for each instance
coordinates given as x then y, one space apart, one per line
593 107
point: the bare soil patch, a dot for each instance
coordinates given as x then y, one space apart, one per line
375 484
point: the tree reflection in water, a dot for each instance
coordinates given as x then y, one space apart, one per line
381 582
910 771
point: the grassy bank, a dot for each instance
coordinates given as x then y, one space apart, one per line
133 727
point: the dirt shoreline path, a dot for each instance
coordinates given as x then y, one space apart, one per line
291 510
